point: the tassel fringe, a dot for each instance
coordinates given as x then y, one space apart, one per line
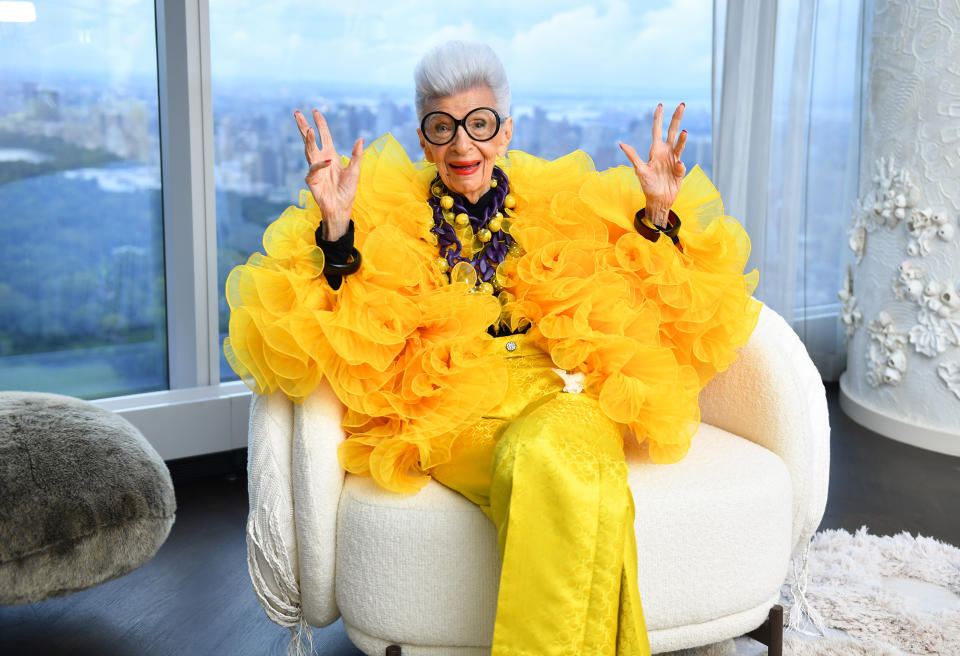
283 604
301 639
800 605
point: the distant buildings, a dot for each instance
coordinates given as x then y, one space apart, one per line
121 123
259 151
259 168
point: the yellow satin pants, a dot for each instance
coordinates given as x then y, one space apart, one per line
548 469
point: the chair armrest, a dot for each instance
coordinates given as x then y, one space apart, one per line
317 483
271 538
773 396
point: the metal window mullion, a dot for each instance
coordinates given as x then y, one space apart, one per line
189 228
209 198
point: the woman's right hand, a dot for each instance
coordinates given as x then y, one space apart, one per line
332 186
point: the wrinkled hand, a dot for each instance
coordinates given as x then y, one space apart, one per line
333 186
660 176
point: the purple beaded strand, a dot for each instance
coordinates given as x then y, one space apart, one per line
495 251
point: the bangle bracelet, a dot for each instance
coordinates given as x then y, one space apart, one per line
653 232
330 269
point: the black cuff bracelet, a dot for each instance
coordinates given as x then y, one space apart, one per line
653 232
331 269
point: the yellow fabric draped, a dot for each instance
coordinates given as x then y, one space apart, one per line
564 518
548 469
407 352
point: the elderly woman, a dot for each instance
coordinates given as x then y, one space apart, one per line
501 324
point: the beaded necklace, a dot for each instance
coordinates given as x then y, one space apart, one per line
487 241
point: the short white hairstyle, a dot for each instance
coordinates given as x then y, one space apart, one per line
456 66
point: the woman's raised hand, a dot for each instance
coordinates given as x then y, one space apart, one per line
332 186
661 175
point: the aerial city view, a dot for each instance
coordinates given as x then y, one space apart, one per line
83 303
83 306
100 275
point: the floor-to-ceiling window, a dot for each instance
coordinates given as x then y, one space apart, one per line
82 305
583 75
112 285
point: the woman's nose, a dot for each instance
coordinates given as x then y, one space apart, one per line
461 140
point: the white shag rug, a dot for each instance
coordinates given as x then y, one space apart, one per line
866 595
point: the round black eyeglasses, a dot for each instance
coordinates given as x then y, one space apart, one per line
480 124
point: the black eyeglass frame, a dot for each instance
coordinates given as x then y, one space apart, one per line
458 123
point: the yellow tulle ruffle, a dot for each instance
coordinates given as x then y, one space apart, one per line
404 350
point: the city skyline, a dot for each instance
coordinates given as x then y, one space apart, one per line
79 114
102 142
259 170
123 122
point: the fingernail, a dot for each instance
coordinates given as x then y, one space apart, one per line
327 160
684 131
683 104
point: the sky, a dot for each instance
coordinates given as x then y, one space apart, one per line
544 44
613 46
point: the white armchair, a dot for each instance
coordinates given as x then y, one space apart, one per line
715 532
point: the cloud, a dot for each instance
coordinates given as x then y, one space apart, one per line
681 31
558 45
613 45
579 43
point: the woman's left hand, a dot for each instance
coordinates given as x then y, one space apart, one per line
660 176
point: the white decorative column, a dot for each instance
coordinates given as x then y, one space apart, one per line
900 303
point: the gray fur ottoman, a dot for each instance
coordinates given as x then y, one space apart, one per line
84 498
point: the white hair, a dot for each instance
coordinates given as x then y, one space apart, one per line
456 66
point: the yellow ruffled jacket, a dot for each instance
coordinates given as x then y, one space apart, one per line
405 350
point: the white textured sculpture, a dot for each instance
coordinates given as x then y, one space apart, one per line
887 353
950 372
850 314
903 326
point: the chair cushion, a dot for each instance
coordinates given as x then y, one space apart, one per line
84 498
713 534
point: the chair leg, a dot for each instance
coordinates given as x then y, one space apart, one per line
393 650
770 632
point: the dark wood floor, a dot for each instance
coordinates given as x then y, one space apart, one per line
887 485
194 596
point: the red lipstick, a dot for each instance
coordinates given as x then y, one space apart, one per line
465 167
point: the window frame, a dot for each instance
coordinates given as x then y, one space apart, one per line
197 414
189 211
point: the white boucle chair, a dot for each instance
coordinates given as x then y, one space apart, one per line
715 532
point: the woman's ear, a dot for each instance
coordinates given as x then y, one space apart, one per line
506 132
425 146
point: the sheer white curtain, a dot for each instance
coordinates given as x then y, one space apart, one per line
786 123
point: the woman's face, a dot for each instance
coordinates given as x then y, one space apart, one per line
465 165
